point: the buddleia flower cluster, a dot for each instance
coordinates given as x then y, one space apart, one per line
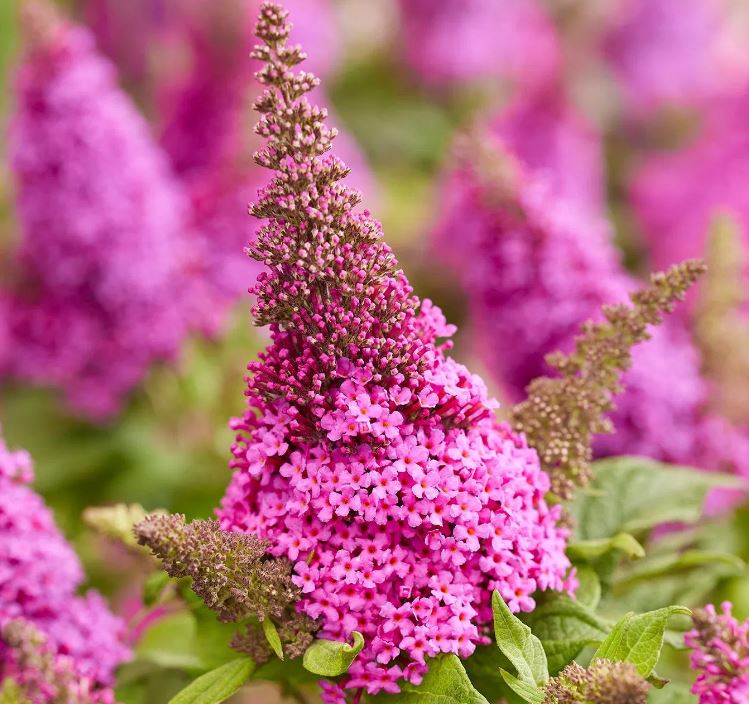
36 674
39 577
366 457
233 576
562 413
91 301
604 682
720 656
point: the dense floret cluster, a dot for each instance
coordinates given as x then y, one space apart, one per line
410 523
366 457
720 654
39 574
604 682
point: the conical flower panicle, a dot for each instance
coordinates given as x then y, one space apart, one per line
231 573
366 457
333 289
721 323
562 414
229 570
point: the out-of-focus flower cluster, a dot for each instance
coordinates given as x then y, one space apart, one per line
39 575
461 40
720 656
127 245
99 292
535 246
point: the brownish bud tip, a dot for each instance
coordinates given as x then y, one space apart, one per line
41 23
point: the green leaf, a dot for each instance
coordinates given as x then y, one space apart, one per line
271 635
587 550
657 681
565 627
688 560
217 685
331 658
634 494
530 693
589 590
638 638
154 586
446 682
670 578
518 644
170 642
483 668
673 694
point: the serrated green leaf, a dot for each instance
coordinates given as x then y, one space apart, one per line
529 693
217 685
564 627
586 550
446 682
518 644
638 639
330 658
271 635
634 494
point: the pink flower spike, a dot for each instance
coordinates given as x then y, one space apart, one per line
390 518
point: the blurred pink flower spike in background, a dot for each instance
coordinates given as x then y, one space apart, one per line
39 575
100 291
454 41
536 259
